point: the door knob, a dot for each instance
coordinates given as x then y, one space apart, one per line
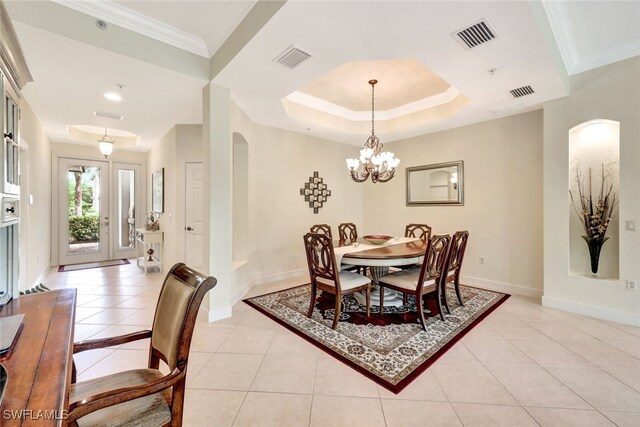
189 229
11 209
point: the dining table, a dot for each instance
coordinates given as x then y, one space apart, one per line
396 252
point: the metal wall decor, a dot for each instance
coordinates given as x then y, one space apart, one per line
315 192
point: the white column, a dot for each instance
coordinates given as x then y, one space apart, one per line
218 151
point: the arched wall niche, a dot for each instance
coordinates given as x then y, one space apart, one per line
240 199
594 153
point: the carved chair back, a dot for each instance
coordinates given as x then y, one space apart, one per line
321 258
419 231
435 258
347 231
322 229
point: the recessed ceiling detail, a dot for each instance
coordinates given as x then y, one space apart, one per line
88 134
408 94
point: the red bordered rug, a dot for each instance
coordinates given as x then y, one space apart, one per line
391 349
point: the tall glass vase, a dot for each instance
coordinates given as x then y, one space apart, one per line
595 246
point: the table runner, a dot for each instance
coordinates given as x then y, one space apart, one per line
343 250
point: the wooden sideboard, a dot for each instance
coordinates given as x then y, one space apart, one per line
40 361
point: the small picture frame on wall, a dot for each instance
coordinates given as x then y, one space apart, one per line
157 191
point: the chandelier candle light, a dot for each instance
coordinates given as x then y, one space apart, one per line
377 164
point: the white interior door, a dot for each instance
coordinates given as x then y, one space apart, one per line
83 211
126 209
194 216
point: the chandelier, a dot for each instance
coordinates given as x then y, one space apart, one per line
106 144
375 163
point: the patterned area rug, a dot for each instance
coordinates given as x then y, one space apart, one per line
88 265
391 349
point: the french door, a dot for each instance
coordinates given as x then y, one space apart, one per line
97 210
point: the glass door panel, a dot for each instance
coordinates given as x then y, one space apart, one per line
84 214
127 197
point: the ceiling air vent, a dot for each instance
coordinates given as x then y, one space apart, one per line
476 34
521 91
292 57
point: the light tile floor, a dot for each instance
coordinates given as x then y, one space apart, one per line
524 365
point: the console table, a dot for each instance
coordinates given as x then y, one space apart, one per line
40 360
146 240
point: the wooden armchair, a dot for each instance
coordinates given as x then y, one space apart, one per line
422 281
325 275
146 397
454 262
347 231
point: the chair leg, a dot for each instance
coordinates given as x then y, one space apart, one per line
419 306
368 301
336 316
381 299
443 294
177 402
439 299
312 304
456 284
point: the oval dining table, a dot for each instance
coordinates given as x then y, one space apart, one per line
378 260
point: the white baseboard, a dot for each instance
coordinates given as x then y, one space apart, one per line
603 313
508 288
219 313
267 278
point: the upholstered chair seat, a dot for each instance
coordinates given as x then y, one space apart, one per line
407 279
348 280
151 410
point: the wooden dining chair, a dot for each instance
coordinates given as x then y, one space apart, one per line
146 397
347 231
419 282
419 231
322 229
454 262
325 275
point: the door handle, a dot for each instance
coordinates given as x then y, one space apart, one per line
189 229
11 209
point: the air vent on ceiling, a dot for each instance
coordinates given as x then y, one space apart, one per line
477 34
292 57
114 116
521 91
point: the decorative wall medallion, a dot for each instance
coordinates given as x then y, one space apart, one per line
315 192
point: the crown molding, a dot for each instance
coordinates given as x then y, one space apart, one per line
559 20
324 106
12 61
121 16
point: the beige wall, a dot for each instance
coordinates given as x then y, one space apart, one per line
502 194
280 162
611 92
183 143
38 216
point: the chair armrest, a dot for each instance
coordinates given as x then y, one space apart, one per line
113 397
111 341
